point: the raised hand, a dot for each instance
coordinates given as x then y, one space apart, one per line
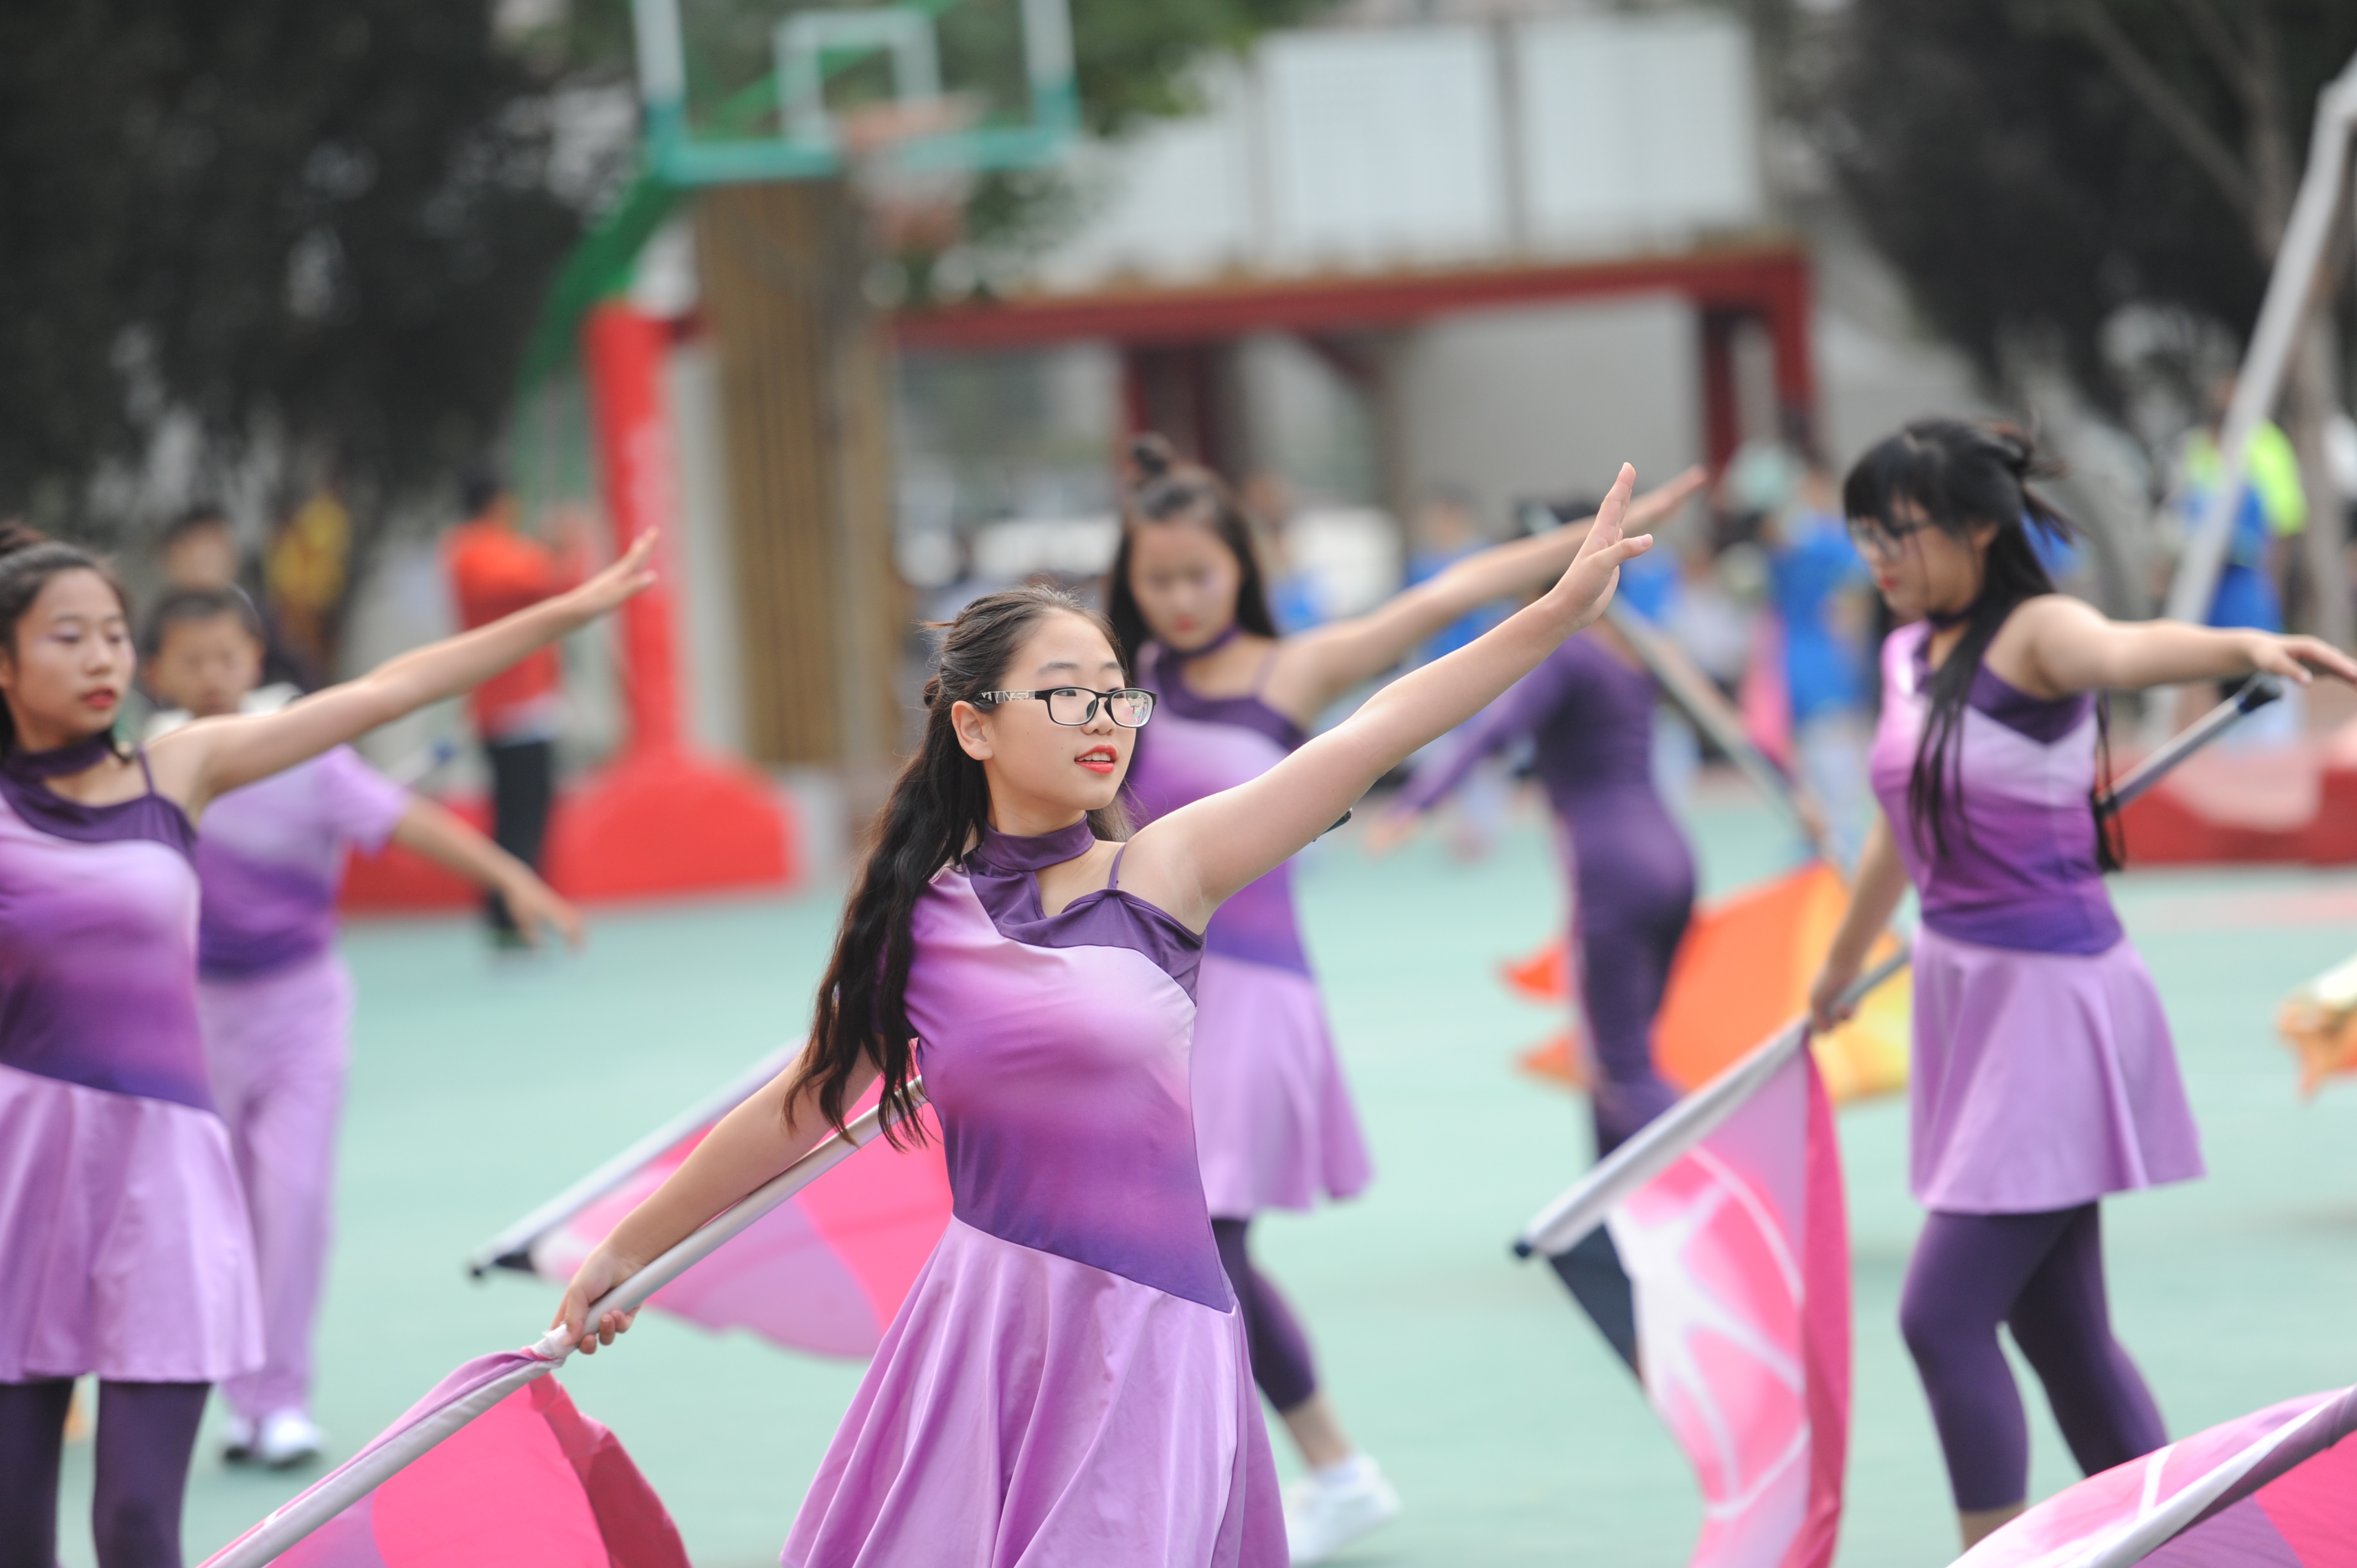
628 577
1586 585
2295 657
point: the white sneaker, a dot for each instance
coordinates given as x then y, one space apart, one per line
1325 1513
288 1439
237 1440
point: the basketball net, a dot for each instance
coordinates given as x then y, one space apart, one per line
914 210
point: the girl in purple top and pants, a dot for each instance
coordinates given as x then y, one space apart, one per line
273 995
2044 1077
1273 1117
1067 1384
123 1243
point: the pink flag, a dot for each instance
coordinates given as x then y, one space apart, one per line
1725 1218
530 1480
2277 1489
824 1271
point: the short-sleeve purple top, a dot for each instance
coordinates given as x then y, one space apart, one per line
271 857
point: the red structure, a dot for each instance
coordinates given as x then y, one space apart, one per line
660 818
1168 335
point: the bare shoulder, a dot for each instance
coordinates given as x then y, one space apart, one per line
2018 654
177 758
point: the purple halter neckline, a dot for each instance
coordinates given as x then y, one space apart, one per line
61 761
1234 630
1008 853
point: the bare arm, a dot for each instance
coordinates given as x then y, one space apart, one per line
1315 667
445 840
212 756
1873 899
751 1144
1192 860
2065 645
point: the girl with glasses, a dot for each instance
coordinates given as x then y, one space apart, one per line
125 1248
1068 1381
1273 1116
2044 1076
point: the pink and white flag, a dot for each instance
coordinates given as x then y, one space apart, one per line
824 1272
2277 1489
512 1473
1726 1218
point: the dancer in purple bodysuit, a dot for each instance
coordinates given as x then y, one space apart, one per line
274 996
2044 1076
1068 1384
1589 709
1273 1117
123 1246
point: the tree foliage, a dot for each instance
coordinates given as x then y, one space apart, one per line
330 219
2032 166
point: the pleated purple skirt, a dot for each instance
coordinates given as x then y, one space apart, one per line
1274 1127
2040 1081
1027 1409
123 1243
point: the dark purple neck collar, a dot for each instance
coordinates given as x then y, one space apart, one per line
79 756
1235 629
1004 854
1942 622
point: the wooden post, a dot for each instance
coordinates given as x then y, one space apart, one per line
806 390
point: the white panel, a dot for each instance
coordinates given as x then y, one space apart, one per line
1383 146
1174 203
1637 130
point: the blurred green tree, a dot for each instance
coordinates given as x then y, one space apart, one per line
2036 167
327 222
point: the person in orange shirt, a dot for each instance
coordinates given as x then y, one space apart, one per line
496 570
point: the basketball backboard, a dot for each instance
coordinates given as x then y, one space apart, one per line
743 90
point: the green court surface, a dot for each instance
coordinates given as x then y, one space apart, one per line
1511 1433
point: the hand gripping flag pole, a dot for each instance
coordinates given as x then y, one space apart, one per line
1561 1225
412 1439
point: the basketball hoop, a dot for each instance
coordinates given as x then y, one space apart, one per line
915 203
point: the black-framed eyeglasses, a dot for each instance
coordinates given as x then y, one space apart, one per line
1128 706
1872 536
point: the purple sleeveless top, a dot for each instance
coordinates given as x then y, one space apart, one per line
270 860
1195 747
2021 869
98 940
1054 1049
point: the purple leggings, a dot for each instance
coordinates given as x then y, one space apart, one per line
2042 1275
146 1433
1280 1351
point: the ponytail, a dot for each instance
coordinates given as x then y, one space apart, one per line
1163 490
1961 475
939 807
29 559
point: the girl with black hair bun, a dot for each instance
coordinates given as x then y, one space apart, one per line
2044 1076
125 1248
1273 1116
1068 1381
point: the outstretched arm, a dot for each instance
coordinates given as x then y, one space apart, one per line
446 840
212 756
2070 646
751 1144
1315 667
1192 860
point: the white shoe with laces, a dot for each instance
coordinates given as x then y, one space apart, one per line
1327 1512
288 1438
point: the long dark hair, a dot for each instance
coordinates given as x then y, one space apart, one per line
1164 490
939 806
29 559
1960 475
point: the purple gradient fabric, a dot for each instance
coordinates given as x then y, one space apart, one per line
2021 869
1274 1120
271 859
1068 1380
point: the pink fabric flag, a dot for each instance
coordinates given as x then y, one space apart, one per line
1725 1216
528 1482
824 1271
2277 1489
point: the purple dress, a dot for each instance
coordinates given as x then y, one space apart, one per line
1067 1381
1632 875
124 1249
1273 1117
2044 1075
